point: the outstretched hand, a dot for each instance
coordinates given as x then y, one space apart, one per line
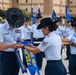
19 45
13 45
30 45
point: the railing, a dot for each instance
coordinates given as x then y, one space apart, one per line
62 42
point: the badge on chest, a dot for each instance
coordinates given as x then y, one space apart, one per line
6 33
18 31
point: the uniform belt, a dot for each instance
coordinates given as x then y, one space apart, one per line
38 38
73 54
7 51
53 61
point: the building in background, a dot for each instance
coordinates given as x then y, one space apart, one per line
27 4
72 7
4 4
46 6
13 3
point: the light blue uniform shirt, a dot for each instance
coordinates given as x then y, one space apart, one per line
1 25
37 33
72 38
51 46
59 31
8 35
26 31
68 31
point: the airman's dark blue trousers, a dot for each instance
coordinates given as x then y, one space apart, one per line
39 56
8 63
68 51
72 65
55 67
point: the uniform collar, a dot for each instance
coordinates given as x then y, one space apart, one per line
69 27
37 24
7 26
75 34
25 26
51 33
59 26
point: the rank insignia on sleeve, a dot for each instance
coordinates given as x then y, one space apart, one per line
44 43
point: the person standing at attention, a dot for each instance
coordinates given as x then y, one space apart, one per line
72 40
38 35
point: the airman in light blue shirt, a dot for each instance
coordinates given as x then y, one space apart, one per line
10 35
